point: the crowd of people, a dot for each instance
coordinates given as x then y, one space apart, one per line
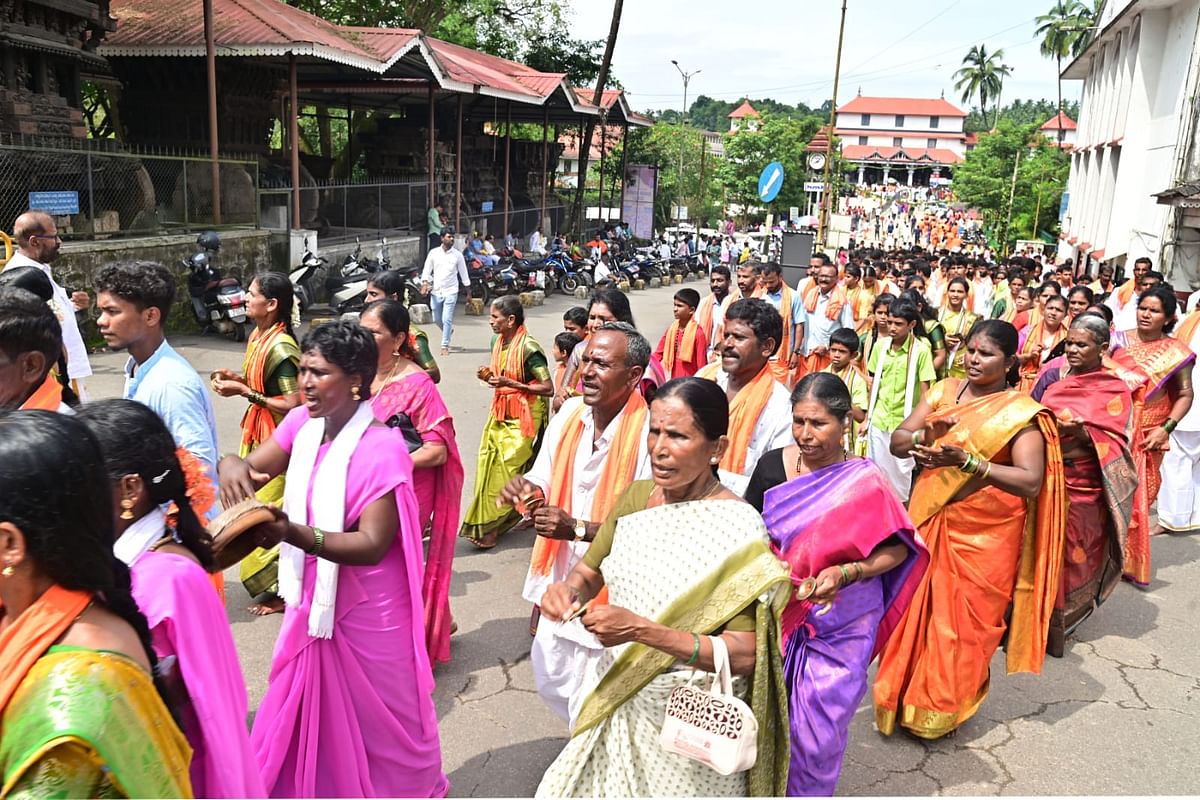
698 508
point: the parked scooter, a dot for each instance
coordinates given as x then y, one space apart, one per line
304 278
348 286
218 303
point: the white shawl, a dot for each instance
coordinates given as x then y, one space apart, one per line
329 511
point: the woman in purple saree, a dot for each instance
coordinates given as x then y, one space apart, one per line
855 574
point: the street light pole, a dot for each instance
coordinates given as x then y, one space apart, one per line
687 76
827 195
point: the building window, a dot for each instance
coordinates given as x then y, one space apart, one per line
933 122
896 141
899 120
866 119
931 143
862 140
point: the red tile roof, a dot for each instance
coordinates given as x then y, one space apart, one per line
471 66
972 138
917 106
1051 124
900 155
744 110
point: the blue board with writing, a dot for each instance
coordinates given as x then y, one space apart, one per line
55 203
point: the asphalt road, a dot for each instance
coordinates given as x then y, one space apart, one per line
1119 714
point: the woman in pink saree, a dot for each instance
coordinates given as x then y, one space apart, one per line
854 572
404 396
349 707
168 559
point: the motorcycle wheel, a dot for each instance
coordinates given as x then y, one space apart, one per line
569 284
484 292
551 285
239 332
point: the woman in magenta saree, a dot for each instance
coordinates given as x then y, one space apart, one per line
855 574
402 387
349 709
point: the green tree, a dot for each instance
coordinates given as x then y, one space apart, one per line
982 75
778 138
984 181
1020 112
659 146
1065 31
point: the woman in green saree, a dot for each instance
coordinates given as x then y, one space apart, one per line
80 714
268 382
680 558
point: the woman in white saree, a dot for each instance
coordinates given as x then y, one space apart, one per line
679 559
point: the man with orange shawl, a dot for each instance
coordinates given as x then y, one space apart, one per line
520 375
594 448
826 308
30 344
760 410
991 505
710 314
789 304
683 349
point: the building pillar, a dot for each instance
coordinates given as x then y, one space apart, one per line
910 176
294 138
887 168
862 172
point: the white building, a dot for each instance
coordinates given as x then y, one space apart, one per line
1136 139
903 138
744 117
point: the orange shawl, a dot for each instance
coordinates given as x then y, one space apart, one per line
1029 370
985 427
258 424
48 396
1125 291
862 303
618 472
744 410
512 403
837 300
687 345
1187 328
30 635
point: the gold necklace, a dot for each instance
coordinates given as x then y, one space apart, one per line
800 460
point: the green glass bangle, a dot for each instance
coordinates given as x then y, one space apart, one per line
1170 425
695 650
318 542
845 574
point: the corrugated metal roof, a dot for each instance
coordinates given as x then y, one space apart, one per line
917 106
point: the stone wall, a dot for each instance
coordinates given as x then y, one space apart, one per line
243 254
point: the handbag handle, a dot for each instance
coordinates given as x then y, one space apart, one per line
722 677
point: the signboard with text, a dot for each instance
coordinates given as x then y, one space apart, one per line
637 206
55 203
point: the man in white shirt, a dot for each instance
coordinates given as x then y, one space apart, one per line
444 268
760 409
537 243
565 655
37 246
816 325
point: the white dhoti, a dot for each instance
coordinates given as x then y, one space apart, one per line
1179 497
565 658
898 471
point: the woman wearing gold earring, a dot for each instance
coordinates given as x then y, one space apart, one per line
268 382
126 509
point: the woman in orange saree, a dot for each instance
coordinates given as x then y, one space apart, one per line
1166 363
1094 408
991 506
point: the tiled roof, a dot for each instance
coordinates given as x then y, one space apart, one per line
1068 124
972 138
917 106
900 132
744 110
471 66
900 155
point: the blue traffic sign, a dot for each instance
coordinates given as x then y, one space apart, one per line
770 182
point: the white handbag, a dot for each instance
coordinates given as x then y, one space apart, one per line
714 727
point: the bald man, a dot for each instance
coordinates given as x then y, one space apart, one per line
38 241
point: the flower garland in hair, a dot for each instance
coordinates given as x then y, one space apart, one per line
199 488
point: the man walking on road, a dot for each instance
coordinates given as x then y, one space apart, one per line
37 246
444 268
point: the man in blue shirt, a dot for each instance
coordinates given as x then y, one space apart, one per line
134 299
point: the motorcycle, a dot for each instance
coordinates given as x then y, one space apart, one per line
565 274
218 303
348 286
304 277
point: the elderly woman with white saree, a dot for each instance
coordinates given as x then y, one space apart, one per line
680 559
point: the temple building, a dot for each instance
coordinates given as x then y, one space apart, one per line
903 139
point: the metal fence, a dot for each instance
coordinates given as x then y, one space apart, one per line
99 191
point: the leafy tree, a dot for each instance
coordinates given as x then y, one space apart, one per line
1020 112
985 181
982 75
778 138
1065 31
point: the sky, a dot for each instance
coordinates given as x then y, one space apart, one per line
785 49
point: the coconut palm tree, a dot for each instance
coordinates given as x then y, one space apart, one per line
982 75
1065 31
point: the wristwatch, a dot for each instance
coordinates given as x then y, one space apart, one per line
580 530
